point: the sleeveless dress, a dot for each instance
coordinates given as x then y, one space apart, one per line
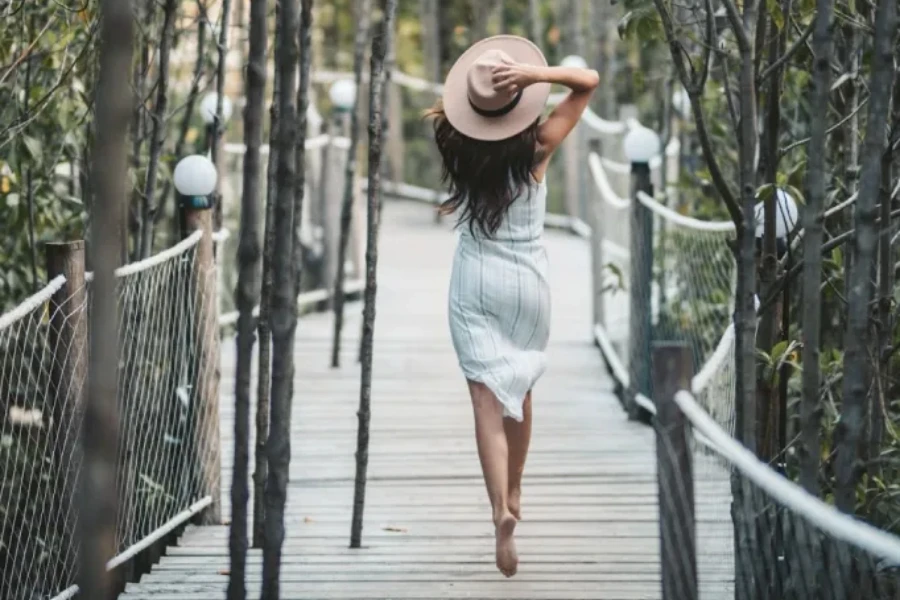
499 302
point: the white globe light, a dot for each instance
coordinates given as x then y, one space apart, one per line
786 215
641 144
573 61
343 94
195 175
681 102
208 108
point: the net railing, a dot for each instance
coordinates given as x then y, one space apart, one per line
168 425
680 268
758 535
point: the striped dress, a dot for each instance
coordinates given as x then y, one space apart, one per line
499 303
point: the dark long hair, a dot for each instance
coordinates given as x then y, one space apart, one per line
484 178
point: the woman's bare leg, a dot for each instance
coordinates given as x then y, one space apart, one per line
494 454
518 438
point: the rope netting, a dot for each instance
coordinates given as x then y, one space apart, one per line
679 267
761 536
37 543
754 534
166 428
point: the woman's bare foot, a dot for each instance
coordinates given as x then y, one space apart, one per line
507 558
514 502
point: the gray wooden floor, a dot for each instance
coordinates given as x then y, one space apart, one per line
589 496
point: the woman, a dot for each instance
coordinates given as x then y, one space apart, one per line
495 151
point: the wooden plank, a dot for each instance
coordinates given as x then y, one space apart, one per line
589 497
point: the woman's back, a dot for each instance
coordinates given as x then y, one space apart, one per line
523 220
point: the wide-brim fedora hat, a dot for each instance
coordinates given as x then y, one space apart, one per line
475 108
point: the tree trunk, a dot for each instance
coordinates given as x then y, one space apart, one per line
148 217
144 13
218 127
535 23
364 11
247 294
767 396
264 367
855 385
185 126
305 42
745 311
100 433
809 449
573 38
488 15
381 45
747 547
283 320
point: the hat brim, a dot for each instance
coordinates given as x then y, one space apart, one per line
456 101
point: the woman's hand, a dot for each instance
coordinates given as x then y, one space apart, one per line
512 78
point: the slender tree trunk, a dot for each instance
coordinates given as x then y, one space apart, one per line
812 256
158 116
364 12
185 126
879 399
573 39
247 294
855 385
769 400
745 317
535 23
264 367
283 320
218 127
381 45
305 41
488 15
135 227
100 433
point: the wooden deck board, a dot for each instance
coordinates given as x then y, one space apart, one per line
589 497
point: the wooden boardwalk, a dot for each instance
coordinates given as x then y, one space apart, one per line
589 497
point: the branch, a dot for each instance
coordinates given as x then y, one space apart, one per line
737 25
795 270
694 90
799 43
707 47
831 129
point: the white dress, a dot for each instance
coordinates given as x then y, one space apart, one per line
499 302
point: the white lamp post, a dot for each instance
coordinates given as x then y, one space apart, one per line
681 102
343 95
573 61
640 145
195 180
786 215
208 108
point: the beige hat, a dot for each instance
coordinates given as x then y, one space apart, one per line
475 108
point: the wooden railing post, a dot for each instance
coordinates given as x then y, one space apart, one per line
640 318
594 218
672 372
67 339
206 375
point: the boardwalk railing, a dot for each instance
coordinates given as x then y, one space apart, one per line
169 423
767 538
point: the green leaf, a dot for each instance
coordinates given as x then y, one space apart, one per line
775 12
33 146
765 191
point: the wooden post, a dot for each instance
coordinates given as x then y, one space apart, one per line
206 372
594 217
572 164
672 372
640 323
68 338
